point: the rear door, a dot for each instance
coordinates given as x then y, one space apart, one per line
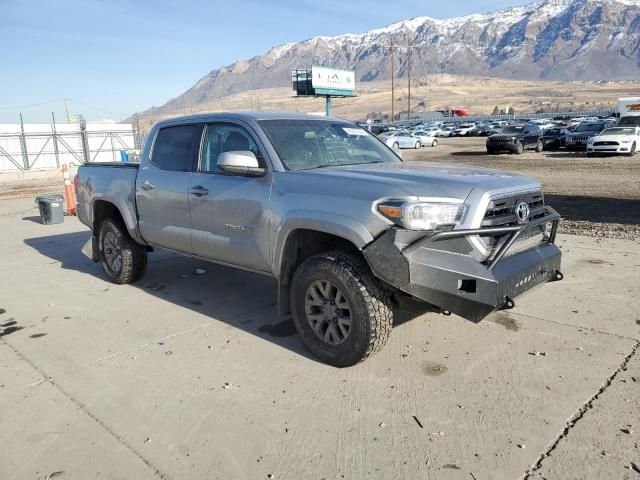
162 187
229 213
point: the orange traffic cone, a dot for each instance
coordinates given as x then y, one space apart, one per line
68 191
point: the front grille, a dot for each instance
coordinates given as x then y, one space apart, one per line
501 212
600 144
579 138
501 140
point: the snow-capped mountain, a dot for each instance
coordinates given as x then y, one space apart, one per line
548 39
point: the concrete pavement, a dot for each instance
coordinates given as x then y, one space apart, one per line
195 376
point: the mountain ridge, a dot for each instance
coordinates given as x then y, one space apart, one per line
546 39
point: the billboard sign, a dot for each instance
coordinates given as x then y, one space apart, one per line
332 81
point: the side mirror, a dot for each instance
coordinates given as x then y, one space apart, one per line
241 162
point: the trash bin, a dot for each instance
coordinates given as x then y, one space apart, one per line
51 209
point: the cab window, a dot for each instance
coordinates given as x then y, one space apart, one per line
224 137
176 148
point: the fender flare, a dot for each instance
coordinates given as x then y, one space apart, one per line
128 214
334 224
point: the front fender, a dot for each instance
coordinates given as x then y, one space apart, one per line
334 224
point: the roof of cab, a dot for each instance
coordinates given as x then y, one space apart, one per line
208 117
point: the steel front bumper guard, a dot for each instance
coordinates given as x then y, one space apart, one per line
440 269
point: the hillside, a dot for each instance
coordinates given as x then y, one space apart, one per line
545 40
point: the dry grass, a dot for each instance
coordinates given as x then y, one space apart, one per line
478 94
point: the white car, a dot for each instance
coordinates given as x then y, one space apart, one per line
463 130
615 140
426 137
402 140
446 131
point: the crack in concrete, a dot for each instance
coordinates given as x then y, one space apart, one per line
121 440
580 327
576 417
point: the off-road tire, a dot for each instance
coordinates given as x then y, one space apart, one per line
519 148
133 255
539 146
434 143
370 306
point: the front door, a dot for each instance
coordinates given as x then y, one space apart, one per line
162 188
229 212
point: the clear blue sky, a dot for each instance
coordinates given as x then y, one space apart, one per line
117 57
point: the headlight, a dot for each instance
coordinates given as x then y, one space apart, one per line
422 215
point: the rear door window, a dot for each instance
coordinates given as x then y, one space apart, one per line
176 148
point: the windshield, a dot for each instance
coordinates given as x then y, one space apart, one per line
588 127
511 129
306 144
629 122
619 131
553 131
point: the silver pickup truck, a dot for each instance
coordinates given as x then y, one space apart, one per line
347 228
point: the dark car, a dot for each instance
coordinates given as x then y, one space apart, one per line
579 137
484 130
555 138
516 139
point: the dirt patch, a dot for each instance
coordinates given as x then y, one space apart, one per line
507 321
434 369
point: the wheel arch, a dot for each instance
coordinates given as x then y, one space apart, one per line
104 207
300 238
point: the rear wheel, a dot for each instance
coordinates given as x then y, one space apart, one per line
539 146
519 148
434 143
121 258
340 310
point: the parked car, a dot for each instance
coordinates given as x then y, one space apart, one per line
426 138
516 139
484 131
463 130
554 138
403 140
345 227
433 131
615 140
446 131
583 132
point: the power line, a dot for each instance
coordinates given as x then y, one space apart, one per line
32 104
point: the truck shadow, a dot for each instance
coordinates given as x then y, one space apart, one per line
240 299
596 209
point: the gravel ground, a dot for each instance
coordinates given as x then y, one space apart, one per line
598 197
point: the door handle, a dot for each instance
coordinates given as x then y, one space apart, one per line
146 186
199 191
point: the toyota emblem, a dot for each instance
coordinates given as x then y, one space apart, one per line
522 212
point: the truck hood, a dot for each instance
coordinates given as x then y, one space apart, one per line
423 179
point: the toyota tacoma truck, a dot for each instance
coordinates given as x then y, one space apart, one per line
350 232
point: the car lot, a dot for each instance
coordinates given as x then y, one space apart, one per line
187 375
597 196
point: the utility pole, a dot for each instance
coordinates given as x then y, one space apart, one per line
392 46
409 83
66 109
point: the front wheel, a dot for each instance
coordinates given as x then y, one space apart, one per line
417 145
340 310
539 146
434 143
632 152
519 148
122 259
